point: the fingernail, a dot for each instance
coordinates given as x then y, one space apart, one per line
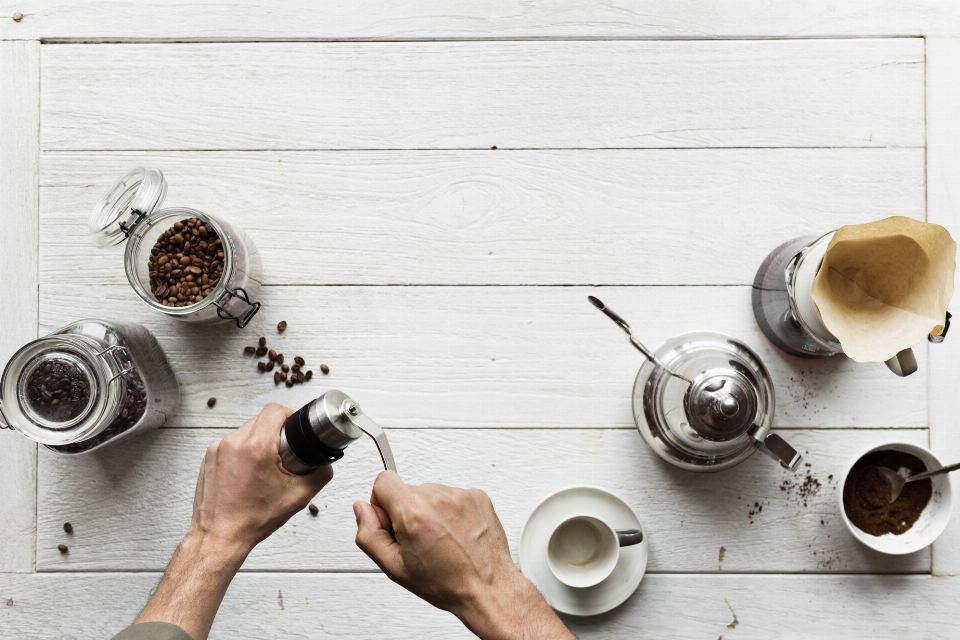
356 509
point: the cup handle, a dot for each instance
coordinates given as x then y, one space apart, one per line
629 537
903 364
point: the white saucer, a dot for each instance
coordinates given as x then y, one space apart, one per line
553 510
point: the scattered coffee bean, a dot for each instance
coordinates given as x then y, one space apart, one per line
283 375
272 354
289 383
279 358
299 376
186 263
300 361
270 365
262 367
285 368
313 508
309 374
68 527
325 369
281 327
211 402
62 548
263 341
295 367
276 377
249 349
262 351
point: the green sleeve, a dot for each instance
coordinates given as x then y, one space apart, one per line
153 631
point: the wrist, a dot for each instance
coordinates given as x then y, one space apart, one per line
511 609
217 553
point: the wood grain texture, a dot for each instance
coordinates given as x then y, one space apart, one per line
418 19
19 210
682 607
943 175
494 217
130 507
759 93
484 356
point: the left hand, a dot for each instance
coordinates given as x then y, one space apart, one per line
243 492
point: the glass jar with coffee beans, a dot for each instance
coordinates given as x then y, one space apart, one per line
87 385
182 262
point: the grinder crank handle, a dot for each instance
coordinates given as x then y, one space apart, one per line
372 429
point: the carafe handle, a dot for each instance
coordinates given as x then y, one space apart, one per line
903 364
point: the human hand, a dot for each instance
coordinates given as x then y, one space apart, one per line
243 492
447 546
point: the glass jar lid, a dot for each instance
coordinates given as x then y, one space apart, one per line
131 198
62 389
703 423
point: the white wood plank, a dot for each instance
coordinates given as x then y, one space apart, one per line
764 93
129 508
19 210
367 19
494 217
943 175
485 356
681 607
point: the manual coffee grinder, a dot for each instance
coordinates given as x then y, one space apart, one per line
320 431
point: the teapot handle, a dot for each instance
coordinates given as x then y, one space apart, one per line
776 447
903 364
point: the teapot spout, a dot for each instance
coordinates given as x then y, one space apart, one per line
776 447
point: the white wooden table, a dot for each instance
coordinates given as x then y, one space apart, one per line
653 152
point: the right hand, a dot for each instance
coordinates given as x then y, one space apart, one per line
447 546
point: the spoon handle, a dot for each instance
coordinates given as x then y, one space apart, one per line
935 472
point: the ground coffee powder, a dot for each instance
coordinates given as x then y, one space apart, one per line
866 495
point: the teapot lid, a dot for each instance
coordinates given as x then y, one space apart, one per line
701 423
131 198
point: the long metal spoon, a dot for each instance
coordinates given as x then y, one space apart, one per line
636 343
897 481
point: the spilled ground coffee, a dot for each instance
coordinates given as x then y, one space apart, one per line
866 495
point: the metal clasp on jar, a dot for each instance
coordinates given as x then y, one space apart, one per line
243 319
117 351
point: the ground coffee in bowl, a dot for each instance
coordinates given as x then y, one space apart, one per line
866 496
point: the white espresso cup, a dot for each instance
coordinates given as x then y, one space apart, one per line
583 551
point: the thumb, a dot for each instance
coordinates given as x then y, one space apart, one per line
375 541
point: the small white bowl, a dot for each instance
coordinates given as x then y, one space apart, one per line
932 521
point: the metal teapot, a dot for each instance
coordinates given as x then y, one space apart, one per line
704 401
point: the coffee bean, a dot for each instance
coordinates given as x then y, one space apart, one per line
262 367
262 351
279 358
285 368
178 263
325 369
313 509
133 408
276 377
211 402
283 375
295 367
68 527
300 361
309 374
263 341
282 326
272 354
269 365
289 383
62 548
249 349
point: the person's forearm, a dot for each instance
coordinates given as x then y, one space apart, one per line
193 586
513 611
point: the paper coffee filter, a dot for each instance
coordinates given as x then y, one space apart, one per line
883 286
